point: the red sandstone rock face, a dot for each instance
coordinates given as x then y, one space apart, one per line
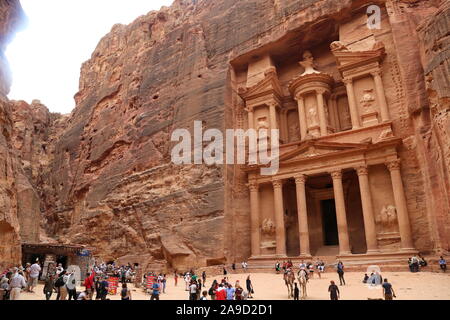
19 205
435 45
104 175
112 185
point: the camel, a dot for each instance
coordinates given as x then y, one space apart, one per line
303 280
289 279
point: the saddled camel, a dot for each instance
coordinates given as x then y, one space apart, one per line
303 280
289 279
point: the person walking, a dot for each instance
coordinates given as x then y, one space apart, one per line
230 292
104 285
388 290
443 264
213 289
17 283
204 278
125 294
340 271
193 291
60 285
49 287
334 291
35 269
156 291
89 284
71 286
296 292
249 286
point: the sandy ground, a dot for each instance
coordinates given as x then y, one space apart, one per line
408 286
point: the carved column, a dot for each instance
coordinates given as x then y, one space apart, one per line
302 117
381 95
251 119
273 116
322 114
284 126
341 214
369 217
400 203
300 181
353 106
254 219
279 217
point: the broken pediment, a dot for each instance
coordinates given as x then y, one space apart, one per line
269 85
347 59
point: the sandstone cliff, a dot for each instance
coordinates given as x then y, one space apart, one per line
112 184
19 203
102 176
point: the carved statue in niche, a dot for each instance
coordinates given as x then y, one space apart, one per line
388 219
367 100
294 132
263 124
268 227
308 63
312 116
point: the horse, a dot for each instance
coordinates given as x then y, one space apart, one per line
289 279
303 280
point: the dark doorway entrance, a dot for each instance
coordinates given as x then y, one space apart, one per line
329 222
62 260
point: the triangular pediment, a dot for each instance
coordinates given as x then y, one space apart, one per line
313 149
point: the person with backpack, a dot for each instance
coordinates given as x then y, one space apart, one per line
104 288
60 286
340 271
212 290
125 294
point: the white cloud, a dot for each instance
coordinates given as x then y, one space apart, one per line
46 57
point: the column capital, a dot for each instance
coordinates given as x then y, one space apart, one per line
321 91
300 178
393 165
377 73
277 183
299 97
273 104
362 171
347 81
337 174
253 186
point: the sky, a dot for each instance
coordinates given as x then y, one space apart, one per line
46 56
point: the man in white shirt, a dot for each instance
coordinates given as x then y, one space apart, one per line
35 269
17 283
71 285
193 291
